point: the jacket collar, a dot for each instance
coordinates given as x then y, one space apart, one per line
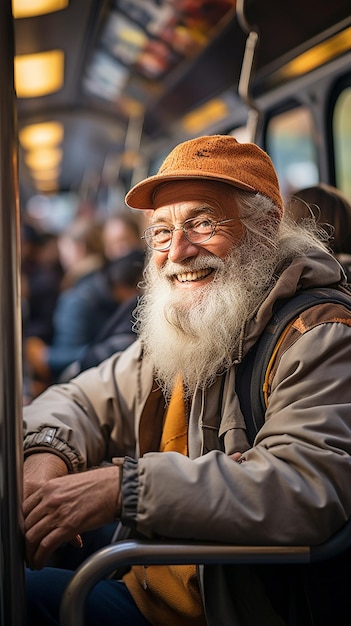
318 268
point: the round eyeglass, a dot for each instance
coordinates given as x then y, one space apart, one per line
196 230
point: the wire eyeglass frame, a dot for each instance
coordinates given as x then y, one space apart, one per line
166 231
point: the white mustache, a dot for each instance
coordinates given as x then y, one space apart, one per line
203 262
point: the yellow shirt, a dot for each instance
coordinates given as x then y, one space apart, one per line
169 595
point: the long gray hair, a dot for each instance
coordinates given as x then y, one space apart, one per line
263 224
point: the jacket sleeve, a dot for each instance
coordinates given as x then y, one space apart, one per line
292 487
82 421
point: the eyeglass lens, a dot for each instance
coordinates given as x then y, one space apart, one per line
196 231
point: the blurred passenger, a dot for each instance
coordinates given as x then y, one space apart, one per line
331 209
83 307
41 274
120 234
81 250
123 278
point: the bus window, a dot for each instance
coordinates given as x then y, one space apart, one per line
290 143
342 141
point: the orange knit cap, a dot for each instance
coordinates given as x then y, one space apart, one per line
214 157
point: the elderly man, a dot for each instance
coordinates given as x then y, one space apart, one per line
163 419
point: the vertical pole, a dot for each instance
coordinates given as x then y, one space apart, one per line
11 532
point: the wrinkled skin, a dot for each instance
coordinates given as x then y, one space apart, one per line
58 507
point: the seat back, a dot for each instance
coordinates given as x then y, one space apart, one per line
137 552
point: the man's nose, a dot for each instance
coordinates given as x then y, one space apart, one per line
181 248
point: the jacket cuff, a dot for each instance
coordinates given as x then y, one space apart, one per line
129 488
47 441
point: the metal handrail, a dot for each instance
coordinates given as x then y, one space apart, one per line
138 552
247 70
11 464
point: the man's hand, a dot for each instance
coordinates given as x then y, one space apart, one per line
63 507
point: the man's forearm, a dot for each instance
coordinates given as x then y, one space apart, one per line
39 468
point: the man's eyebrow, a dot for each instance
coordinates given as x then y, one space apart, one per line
204 209
160 219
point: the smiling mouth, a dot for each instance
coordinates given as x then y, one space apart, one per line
193 276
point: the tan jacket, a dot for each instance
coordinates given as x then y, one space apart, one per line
294 486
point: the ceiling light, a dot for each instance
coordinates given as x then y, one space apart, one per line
23 8
39 74
43 158
41 135
47 186
205 115
316 56
46 175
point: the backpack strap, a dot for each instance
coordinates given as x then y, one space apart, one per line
252 377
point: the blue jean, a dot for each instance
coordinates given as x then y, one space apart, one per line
109 603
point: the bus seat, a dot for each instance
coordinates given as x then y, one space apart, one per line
138 552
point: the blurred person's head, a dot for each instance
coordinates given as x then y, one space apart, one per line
30 243
120 234
329 208
124 275
82 238
48 254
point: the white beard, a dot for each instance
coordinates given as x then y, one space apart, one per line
196 332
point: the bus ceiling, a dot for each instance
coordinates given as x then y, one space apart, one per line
134 77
